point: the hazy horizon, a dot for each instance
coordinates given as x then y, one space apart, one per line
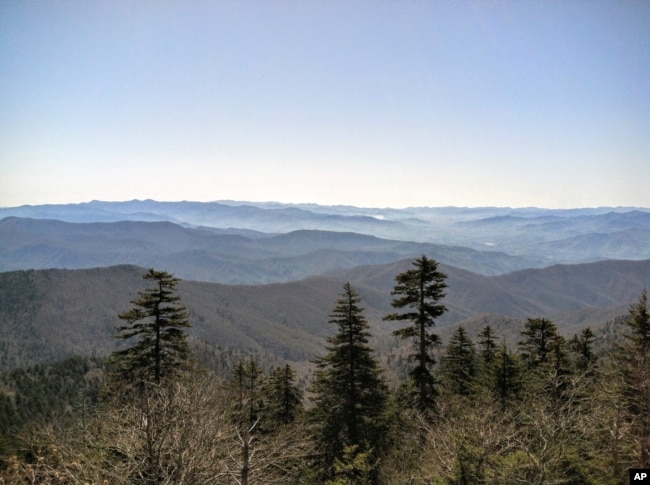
306 203
394 104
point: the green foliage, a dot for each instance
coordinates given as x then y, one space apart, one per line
459 363
46 393
638 324
157 321
505 375
353 468
487 345
245 391
282 398
582 346
349 390
635 371
539 334
556 411
419 291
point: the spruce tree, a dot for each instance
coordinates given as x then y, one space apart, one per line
245 390
458 364
487 345
157 321
419 291
638 323
581 345
506 375
142 374
244 387
544 353
635 361
539 341
282 398
350 393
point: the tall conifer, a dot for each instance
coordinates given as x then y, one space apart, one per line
458 364
419 291
157 321
635 360
349 389
282 398
539 341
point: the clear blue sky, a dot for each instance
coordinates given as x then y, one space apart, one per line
369 103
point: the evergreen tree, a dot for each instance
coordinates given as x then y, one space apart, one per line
350 393
420 290
538 344
506 371
544 353
560 368
157 359
487 345
458 364
581 344
157 321
353 469
638 323
245 386
635 359
282 398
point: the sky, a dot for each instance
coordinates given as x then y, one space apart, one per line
368 103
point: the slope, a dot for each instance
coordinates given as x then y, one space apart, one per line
51 314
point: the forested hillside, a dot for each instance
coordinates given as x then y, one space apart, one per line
470 407
269 344
54 314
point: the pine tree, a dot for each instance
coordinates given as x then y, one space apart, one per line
544 353
506 374
419 290
487 345
635 360
157 321
638 324
581 344
282 398
244 387
538 344
349 389
458 364
560 368
142 375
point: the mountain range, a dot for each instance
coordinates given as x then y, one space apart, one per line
210 255
264 276
244 243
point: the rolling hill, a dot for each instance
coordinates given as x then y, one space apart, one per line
47 315
205 255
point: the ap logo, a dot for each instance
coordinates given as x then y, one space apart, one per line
640 476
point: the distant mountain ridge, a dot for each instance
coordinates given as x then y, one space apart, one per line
50 314
541 236
206 255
